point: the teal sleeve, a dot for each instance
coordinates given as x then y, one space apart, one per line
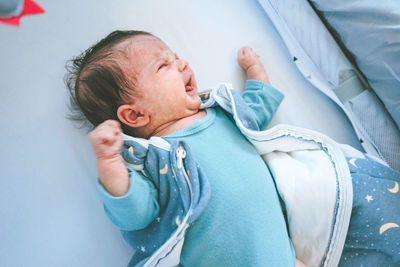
137 208
263 99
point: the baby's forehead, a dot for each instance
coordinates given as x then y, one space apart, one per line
141 52
145 50
145 44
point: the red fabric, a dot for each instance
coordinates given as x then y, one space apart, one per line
30 8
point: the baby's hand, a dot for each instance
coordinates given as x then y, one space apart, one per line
247 57
107 143
251 63
106 140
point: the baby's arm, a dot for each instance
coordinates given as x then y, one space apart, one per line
251 63
107 142
262 98
130 199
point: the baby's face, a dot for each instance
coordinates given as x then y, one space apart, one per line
166 84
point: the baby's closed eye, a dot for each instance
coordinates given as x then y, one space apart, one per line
162 65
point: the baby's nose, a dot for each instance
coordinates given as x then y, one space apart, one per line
182 64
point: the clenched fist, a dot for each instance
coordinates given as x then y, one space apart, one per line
107 143
106 140
251 63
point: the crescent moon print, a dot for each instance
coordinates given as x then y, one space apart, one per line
387 226
164 170
394 189
353 162
178 223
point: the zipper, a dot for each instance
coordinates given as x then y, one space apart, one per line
181 155
154 259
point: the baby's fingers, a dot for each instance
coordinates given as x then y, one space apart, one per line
108 137
111 124
106 133
246 51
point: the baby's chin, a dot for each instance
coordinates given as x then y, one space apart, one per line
194 102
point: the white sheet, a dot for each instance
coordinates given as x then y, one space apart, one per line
50 211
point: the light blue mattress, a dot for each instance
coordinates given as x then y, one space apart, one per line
50 211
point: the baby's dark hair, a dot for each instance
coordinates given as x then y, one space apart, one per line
97 82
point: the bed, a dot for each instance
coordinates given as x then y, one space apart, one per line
51 214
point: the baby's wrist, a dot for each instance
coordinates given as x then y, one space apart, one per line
113 175
109 159
257 72
110 165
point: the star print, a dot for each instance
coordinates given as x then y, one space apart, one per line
369 198
143 249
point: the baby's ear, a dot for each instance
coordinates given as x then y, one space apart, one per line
132 116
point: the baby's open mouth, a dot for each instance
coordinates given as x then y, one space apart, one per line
189 88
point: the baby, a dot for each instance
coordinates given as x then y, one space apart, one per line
132 82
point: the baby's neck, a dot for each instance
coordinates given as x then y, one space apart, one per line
177 125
